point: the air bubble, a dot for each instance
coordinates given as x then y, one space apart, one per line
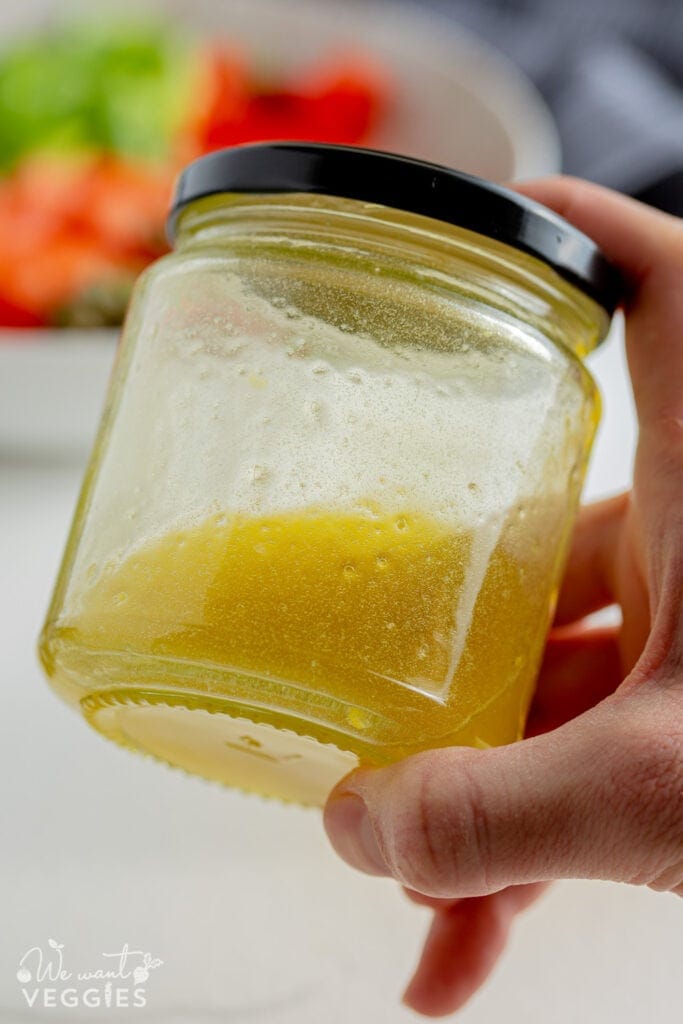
422 651
259 474
349 570
298 347
315 409
357 718
382 561
401 523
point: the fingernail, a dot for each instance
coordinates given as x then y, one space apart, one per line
350 830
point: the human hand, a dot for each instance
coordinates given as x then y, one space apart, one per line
596 791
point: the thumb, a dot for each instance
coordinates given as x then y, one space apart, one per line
598 798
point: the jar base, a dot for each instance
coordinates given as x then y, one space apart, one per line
216 739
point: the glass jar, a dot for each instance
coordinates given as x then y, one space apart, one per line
326 515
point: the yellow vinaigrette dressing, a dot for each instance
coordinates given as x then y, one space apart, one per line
353 633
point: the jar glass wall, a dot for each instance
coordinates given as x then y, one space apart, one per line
327 512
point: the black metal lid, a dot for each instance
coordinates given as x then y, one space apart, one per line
406 184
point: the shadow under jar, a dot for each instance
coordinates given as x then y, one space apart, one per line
327 511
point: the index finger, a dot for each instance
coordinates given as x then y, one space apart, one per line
647 246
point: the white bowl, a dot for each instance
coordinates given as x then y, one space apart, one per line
52 386
457 102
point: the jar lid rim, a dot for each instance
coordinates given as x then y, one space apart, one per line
415 186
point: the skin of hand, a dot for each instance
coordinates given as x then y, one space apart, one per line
596 788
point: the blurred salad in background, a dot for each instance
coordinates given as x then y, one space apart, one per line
96 122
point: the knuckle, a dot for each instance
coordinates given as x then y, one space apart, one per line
417 846
439 845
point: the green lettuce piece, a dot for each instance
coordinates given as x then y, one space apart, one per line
118 87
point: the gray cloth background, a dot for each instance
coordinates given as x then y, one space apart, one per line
611 71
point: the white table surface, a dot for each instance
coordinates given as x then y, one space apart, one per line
254 917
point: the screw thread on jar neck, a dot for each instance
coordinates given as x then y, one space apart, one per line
436 254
